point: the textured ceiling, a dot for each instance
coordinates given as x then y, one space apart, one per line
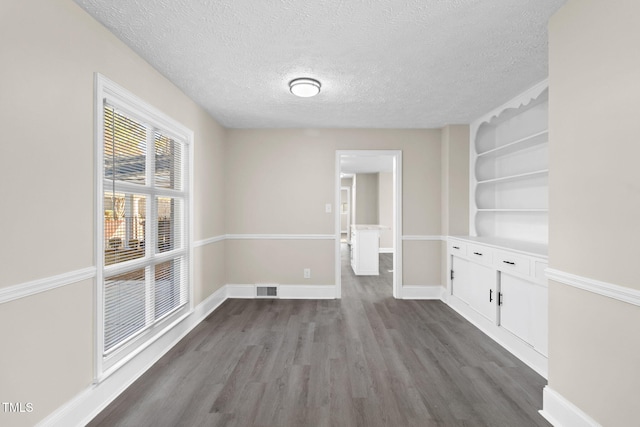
382 64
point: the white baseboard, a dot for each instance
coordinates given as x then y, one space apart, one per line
385 250
423 292
562 413
285 291
445 296
87 404
307 291
241 291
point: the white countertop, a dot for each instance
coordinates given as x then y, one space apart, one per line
527 248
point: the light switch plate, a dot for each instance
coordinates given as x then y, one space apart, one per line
327 208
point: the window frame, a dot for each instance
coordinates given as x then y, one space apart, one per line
106 91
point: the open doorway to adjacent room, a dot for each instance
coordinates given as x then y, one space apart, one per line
369 218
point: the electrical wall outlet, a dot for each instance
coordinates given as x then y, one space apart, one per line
307 273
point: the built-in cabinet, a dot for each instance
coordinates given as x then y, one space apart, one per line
523 310
497 278
500 286
475 285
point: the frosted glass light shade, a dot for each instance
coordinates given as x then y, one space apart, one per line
304 88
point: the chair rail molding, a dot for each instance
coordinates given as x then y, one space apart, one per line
33 287
620 293
280 237
209 241
421 237
22 290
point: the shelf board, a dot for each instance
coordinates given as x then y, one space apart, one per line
514 177
513 210
518 144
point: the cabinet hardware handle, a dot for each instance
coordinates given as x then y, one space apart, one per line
456 247
499 298
509 262
490 295
477 253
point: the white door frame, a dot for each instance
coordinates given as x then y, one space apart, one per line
397 216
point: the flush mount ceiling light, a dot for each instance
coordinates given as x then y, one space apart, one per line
304 87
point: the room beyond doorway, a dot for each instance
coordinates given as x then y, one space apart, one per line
371 175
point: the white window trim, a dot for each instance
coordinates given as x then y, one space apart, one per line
119 97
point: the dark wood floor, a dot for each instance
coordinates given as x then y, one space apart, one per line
366 360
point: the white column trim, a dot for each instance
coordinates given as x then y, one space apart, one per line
620 293
33 287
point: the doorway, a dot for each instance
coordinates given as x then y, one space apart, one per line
352 163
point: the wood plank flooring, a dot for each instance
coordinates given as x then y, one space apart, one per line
366 360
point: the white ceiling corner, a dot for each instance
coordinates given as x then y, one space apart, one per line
382 64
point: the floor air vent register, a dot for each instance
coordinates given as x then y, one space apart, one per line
266 291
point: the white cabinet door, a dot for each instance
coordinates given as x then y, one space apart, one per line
484 296
517 306
475 284
540 319
461 282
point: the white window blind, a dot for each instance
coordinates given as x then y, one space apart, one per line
144 242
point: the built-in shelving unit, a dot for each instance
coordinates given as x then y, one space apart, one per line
514 177
510 169
520 144
497 275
